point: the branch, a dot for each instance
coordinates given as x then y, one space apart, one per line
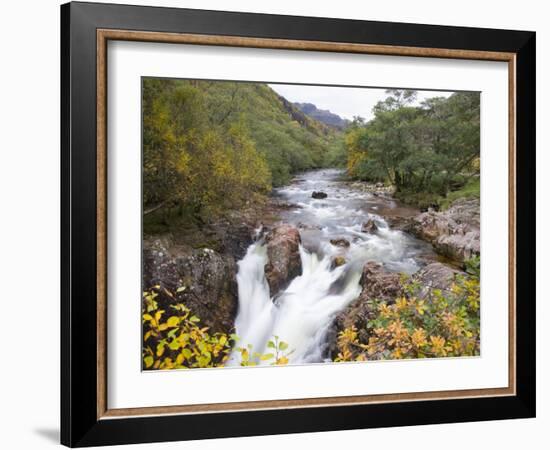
156 207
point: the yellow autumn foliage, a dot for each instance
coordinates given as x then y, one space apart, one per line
175 339
443 324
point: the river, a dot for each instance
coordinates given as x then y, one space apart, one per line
302 313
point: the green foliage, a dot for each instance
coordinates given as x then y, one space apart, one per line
335 154
209 146
175 340
431 149
289 140
473 266
277 354
470 190
420 199
192 160
440 324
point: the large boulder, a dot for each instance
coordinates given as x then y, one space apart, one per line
283 252
202 279
453 233
319 195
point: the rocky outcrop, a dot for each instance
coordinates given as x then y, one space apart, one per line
380 284
283 252
377 283
401 223
234 238
202 279
453 233
435 276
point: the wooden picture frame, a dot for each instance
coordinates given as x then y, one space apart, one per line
86 418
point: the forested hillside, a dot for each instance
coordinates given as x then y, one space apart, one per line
208 146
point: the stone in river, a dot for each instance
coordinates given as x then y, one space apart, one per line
337 261
369 227
319 194
340 242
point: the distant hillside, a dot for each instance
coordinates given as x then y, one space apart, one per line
322 115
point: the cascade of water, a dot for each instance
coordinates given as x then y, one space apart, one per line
300 314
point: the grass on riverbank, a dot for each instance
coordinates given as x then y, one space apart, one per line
424 200
470 190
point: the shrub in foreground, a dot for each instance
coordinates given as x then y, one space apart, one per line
443 323
175 340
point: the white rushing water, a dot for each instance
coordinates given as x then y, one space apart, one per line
302 313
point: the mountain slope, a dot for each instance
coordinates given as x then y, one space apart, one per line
322 115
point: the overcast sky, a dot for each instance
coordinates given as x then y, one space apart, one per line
347 102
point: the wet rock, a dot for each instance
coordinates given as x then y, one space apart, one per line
233 238
398 222
379 283
340 242
453 233
305 226
281 205
283 252
337 261
369 227
205 279
319 194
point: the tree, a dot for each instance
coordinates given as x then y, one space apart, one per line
194 159
431 148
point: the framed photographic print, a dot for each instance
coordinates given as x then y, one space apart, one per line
276 224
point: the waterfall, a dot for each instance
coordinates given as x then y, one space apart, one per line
301 314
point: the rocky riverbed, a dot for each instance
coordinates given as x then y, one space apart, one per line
322 258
